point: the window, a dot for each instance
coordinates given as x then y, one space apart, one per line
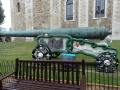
69 10
18 7
100 8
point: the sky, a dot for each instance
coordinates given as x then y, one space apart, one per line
6 7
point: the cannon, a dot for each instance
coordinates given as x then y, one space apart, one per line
52 42
4 39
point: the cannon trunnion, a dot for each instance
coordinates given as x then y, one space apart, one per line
52 42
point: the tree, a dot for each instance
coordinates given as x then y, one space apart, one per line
2 16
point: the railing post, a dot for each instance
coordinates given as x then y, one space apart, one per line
83 79
16 68
1 85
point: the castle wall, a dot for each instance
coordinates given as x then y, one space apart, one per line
51 14
69 23
29 14
116 20
55 13
41 14
18 18
83 13
105 21
36 14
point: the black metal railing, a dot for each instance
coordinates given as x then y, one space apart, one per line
49 71
97 80
6 67
67 72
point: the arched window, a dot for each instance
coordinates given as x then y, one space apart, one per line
100 8
18 7
69 10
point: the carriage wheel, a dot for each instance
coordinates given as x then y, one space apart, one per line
106 62
41 52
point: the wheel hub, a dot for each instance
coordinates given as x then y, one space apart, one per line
107 63
40 55
41 52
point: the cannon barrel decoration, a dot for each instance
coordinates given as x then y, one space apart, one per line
53 42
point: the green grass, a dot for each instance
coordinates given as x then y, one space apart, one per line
116 44
23 50
103 78
13 50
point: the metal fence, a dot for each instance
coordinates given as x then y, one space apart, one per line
6 67
101 80
68 72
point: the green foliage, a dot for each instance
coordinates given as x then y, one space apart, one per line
2 16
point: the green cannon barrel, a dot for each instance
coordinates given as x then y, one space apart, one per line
83 32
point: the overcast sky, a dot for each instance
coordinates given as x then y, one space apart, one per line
6 7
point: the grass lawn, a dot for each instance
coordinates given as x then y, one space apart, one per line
116 45
13 50
23 50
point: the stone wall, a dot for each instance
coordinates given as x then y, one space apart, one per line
55 13
69 23
29 14
18 18
51 14
116 20
83 13
41 14
36 14
103 21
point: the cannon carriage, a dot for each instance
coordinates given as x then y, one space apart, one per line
52 42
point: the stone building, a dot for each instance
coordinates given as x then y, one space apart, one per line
36 14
